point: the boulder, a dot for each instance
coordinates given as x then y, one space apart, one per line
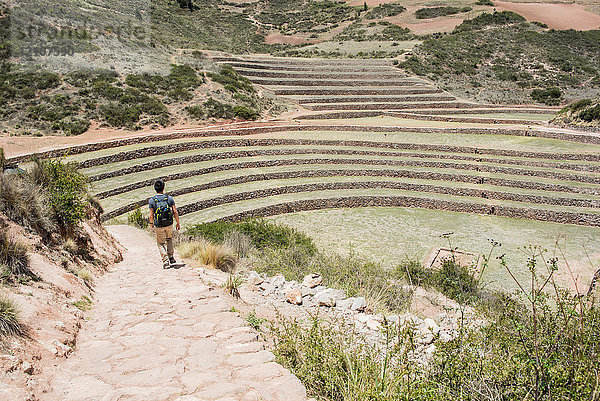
373 324
294 296
254 278
430 325
267 288
344 303
278 280
359 304
312 280
326 298
27 368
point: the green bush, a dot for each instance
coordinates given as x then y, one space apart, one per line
549 96
434 12
485 3
66 189
9 317
385 10
263 234
231 80
485 19
245 113
118 116
137 218
452 280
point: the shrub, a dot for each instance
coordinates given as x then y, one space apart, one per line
549 96
231 80
22 201
385 10
485 19
245 113
207 253
9 317
66 189
74 126
137 218
263 234
14 260
434 12
450 279
485 3
118 116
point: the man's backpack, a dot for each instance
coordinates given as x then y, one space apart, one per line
163 213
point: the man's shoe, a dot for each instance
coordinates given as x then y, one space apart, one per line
172 260
166 265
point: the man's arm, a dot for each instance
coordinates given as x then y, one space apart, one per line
151 216
176 215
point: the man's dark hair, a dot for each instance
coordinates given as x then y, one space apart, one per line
159 185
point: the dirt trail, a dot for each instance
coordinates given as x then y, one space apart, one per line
157 334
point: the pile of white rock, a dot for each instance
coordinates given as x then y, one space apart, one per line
311 293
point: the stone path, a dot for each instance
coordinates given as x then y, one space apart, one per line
157 334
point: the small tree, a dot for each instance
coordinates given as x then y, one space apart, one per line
365 6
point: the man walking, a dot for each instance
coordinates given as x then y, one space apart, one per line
162 211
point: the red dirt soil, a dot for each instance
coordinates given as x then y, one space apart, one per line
435 25
557 16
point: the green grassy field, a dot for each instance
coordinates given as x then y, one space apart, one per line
391 235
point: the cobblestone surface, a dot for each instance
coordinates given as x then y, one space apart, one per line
157 334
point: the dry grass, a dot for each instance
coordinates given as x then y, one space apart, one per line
70 246
14 260
232 285
23 202
9 317
221 257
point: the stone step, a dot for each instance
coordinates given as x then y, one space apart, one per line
375 99
304 91
337 82
388 106
325 68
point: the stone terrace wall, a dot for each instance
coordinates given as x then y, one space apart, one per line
385 106
585 138
353 91
175 161
330 186
423 175
146 152
481 120
405 201
388 99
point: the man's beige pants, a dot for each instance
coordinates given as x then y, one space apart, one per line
164 239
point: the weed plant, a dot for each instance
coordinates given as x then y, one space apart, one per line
137 219
541 344
66 191
14 261
262 233
9 317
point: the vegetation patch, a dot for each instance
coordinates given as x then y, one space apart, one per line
10 323
385 10
585 112
14 261
441 11
44 102
501 51
538 344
